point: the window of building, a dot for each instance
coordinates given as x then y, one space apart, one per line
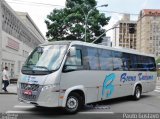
13 26
19 66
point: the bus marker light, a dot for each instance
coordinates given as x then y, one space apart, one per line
61 97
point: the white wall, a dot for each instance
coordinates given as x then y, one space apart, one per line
11 56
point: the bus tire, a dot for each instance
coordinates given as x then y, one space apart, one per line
73 103
137 92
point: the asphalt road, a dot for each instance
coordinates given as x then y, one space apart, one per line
114 108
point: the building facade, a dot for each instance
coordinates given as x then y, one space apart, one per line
19 36
148 31
121 35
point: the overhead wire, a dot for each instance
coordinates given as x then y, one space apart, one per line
47 4
33 3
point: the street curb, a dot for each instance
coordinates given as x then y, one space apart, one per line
8 93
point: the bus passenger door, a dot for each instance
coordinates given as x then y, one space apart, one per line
76 71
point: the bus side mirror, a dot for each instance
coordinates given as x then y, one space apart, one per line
72 52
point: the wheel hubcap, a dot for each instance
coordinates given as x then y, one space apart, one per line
72 103
138 93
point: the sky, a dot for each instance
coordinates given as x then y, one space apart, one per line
38 12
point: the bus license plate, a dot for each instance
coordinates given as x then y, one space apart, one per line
27 92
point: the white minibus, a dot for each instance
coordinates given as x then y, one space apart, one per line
70 74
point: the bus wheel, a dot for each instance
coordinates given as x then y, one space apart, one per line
137 93
73 103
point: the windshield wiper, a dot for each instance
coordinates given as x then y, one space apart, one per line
26 66
42 67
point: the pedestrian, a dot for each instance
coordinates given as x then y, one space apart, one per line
5 77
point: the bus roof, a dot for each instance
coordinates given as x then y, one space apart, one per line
74 42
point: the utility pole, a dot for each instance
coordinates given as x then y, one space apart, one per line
0 45
86 18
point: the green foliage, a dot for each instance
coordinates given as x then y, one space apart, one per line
158 60
69 23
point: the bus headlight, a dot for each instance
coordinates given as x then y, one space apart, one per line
47 87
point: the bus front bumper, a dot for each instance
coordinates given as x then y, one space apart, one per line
46 98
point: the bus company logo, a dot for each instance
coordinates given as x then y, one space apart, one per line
108 87
32 80
145 77
126 78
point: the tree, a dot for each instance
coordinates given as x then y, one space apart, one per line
158 60
69 23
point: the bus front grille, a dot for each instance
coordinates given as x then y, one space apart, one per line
32 89
29 97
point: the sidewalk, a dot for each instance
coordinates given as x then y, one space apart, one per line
12 89
158 81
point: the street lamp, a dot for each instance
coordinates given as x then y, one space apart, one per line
131 31
104 33
86 17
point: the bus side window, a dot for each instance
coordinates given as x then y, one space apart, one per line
117 61
73 62
91 58
126 61
133 63
105 59
151 64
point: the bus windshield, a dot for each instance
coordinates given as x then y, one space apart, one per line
44 59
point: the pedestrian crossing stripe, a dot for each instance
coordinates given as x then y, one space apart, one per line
157 90
28 112
95 112
18 112
24 106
